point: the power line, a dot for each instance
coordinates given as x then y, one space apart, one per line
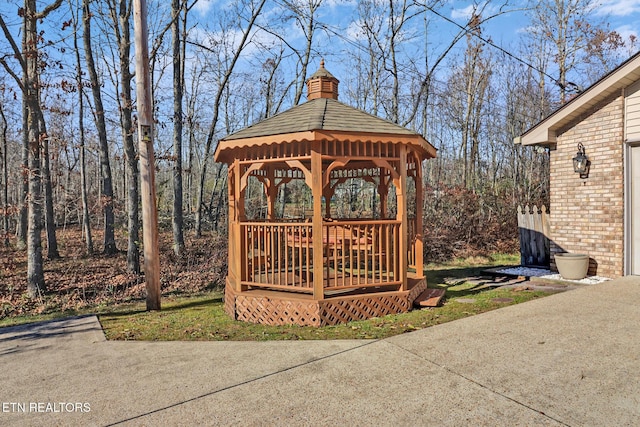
567 85
570 86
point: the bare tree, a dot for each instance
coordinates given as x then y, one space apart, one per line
479 17
120 13
86 220
192 121
30 85
274 96
475 75
564 23
255 10
305 16
5 174
371 17
178 89
23 218
99 116
49 215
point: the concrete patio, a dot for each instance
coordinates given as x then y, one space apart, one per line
568 359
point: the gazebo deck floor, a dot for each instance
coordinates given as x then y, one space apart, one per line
272 307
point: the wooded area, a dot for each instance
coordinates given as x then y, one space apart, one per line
68 117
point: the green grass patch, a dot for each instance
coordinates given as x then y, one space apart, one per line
202 317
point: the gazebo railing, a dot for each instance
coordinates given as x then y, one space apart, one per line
355 254
411 250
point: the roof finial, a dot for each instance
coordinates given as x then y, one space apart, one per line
322 63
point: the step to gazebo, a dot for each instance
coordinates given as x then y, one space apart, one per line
429 298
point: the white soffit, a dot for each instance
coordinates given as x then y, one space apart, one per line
544 133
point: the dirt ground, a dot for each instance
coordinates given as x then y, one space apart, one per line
77 280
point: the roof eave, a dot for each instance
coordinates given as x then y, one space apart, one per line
428 150
545 132
230 144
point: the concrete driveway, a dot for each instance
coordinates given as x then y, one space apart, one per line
568 359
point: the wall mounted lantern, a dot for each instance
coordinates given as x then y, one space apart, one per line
581 162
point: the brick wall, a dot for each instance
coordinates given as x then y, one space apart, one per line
587 215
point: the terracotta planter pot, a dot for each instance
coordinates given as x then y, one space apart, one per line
572 266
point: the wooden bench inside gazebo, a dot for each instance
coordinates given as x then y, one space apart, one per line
316 269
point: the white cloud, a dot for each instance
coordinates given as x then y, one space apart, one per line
204 6
354 31
464 13
333 3
619 7
485 10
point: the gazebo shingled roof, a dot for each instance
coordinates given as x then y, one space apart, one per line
322 114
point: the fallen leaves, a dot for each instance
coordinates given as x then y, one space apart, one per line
76 280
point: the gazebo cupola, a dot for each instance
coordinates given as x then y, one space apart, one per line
322 84
317 266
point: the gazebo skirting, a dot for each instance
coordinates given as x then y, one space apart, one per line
285 308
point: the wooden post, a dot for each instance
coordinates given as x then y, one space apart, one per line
401 192
383 190
233 274
272 193
318 247
419 244
147 161
238 253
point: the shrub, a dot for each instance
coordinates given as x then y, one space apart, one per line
461 223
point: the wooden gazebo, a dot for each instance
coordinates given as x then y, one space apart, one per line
315 269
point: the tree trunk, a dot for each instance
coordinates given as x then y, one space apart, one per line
49 219
123 35
216 111
22 226
191 123
216 201
5 177
35 270
178 235
86 220
105 166
133 195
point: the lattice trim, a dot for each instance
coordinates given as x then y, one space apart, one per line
342 311
282 311
268 311
230 301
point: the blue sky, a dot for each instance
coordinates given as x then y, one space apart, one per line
622 16
505 30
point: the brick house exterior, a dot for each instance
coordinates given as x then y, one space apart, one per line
595 215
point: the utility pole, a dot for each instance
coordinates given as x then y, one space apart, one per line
147 161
